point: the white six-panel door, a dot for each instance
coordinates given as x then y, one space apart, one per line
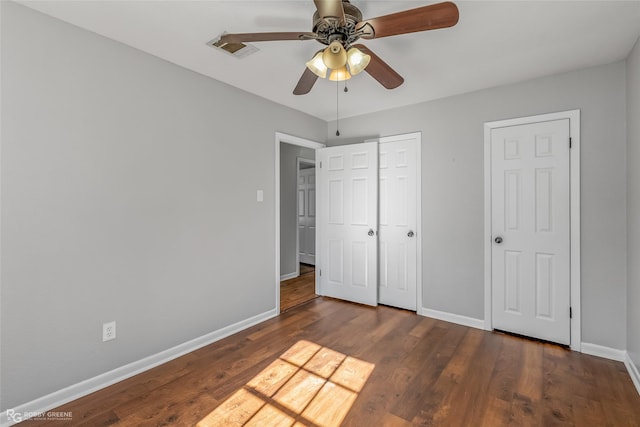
398 222
530 253
307 215
348 216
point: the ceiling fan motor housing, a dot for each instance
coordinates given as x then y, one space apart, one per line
330 29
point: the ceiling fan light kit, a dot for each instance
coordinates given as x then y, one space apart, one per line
338 24
336 58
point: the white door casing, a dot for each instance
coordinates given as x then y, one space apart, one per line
347 219
398 216
307 215
530 229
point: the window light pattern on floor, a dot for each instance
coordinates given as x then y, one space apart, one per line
308 385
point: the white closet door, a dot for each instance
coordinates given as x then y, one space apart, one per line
398 222
347 221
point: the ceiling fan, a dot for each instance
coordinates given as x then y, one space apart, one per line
339 24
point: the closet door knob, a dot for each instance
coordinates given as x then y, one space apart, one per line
410 233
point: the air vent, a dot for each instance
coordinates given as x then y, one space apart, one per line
239 50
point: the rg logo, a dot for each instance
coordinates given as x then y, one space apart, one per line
14 416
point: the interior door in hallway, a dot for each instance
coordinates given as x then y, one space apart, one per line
347 220
307 215
398 238
530 256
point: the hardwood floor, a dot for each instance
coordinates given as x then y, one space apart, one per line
330 362
298 290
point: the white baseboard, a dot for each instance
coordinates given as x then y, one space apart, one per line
633 371
602 351
288 276
83 388
453 318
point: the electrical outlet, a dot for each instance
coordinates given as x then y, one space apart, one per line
109 331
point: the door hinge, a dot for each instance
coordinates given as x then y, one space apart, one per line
320 165
570 142
570 313
320 272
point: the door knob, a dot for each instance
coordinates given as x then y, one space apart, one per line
498 240
410 233
371 232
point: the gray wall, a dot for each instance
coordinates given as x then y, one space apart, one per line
128 194
633 204
288 198
453 189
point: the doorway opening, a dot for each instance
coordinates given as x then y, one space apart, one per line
295 224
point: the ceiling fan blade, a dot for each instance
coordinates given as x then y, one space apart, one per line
431 17
265 37
380 70
330 9
305 83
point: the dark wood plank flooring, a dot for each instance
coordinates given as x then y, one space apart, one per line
298 290
330 362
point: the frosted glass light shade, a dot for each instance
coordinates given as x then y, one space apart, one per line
340 74
357 60
317 66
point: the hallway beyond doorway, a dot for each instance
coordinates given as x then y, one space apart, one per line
300 289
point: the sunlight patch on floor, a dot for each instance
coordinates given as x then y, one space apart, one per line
308 385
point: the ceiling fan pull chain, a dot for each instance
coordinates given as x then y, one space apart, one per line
337 117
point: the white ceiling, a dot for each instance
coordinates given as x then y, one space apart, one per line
494 43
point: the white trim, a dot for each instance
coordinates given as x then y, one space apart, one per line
83 388
289 276
574 167
487 228
452 318
633 371
294 140
602 351
418 136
